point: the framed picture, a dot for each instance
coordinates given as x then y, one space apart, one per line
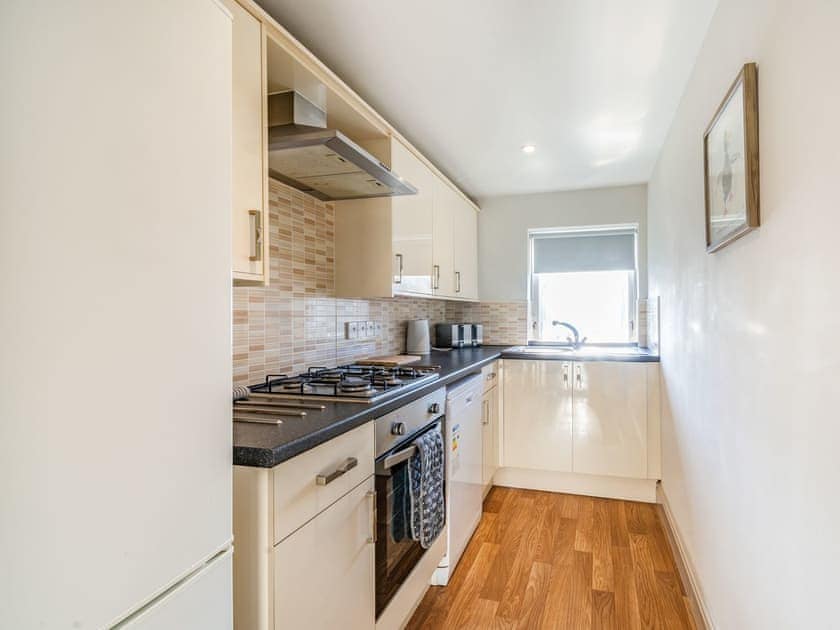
730 157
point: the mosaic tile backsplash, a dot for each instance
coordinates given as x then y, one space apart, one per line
297 321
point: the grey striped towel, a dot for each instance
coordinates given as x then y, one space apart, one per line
425 487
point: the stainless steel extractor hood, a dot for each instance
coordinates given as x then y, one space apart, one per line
323 162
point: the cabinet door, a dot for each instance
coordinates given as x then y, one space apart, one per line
323 573
249 221
490 436
465 222
538 415
446 203
413 224
610 419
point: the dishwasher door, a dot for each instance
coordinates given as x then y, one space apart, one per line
463 470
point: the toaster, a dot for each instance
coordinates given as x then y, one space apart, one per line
477 334
449 335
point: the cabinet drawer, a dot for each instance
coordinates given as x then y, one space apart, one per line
490 374
297 494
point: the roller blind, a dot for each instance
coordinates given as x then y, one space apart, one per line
584 251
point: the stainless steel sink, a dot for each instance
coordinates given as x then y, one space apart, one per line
544 350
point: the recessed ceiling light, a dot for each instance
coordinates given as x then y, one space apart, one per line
528 148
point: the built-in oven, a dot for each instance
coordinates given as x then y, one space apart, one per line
396 552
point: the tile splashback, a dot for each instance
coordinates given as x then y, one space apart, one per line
297 321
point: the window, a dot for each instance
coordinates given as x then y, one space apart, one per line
586 277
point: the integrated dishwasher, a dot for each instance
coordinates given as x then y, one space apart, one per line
462 436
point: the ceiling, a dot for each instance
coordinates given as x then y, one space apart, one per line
594 84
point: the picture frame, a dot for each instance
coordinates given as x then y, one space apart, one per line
731 163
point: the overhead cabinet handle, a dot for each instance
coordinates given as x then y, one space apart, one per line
437 277
349 464
399 268
255 230
457 282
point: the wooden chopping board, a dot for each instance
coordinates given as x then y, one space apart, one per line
390 361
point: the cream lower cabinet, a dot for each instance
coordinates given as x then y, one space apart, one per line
610 419
304 539
324 572
596 418
538 415
489 437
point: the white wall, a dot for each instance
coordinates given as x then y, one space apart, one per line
749 342
504 222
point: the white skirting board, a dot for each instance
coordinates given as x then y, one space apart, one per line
688 572
400 609
591 485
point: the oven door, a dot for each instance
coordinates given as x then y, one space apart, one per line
396 552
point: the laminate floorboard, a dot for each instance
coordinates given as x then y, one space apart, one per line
558 561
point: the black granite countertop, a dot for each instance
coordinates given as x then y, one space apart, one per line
266 445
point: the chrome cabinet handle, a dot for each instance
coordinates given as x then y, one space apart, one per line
566 374
457 282
400 267
486 419
374 517
437 277
578 379
255 225
349 464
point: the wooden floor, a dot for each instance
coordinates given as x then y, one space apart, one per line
546 560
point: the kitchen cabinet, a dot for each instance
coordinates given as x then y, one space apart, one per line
413 225
249 199
610 419
303 535
324 572
594 418
465 251
490 412
424 244
538 415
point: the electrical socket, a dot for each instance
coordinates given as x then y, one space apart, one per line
351 330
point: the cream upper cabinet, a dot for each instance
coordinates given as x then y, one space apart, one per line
465 253
537 415
412 225
446 204
610 419
407 244
249 197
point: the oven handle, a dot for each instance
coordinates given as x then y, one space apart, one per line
399 456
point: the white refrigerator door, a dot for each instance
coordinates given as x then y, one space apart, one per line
201 601
115 366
